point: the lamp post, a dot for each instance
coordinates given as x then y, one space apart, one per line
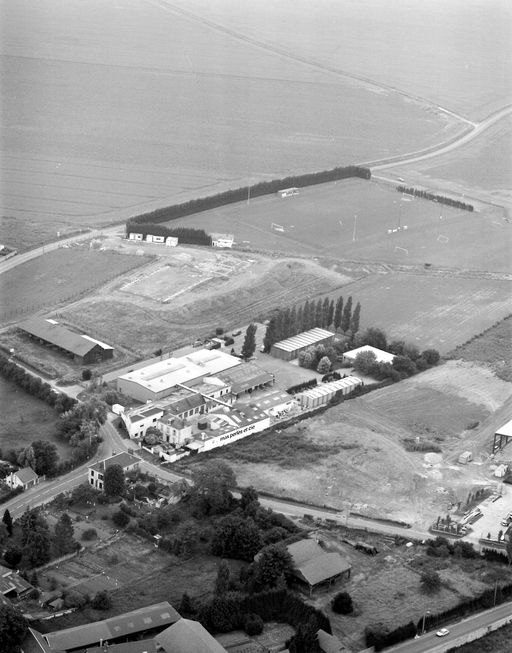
423 626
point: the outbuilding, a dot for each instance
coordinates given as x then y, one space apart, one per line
320 395
290 348
315 567
380 355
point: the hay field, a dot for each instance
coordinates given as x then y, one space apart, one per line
436 49
322 220
170 108
59 276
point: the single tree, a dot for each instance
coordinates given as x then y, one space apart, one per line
7 520
324 365
27 457
13 556
300 320
270 335
318 314
249 345
354 321
4 534
330 314
46 457
113 483
236 537
347 315
186 608
375 338
212 483
187 538
430 581
13 628
365 361
325 313
342 603
248 496
63 541
121 519
36 550
223 578
508 549
338 313
274 562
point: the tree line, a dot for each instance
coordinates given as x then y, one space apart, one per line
185 235
35 386
324 313
441 199
239 194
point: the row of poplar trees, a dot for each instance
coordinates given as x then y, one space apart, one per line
323 313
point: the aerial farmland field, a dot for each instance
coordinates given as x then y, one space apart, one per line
176 110
437 50
59 276
350 219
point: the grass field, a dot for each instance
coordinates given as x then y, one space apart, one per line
175 108
57 277
26 419
324 220
493 346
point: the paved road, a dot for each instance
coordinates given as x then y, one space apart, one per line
430 643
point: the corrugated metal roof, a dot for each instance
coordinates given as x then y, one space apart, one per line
332 386
188 636
305 339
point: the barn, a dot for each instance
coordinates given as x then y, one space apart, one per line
83 349
290 348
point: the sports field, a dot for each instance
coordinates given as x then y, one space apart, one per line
170 108
351 219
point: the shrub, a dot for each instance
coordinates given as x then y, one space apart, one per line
89 534
430 582
120 519
101 601
342 603
73 599
253 624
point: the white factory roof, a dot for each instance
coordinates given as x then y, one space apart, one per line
172 371
506 429
381 355
304 339
333 386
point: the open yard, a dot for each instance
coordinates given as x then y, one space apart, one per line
59 276
25 419
177 107
227 290
350 219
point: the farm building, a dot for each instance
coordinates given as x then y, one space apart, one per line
381 355
24 478
156 381
316 567
135 236
320 395
222 240
502 437
146 621
97 471
290 348
245 378
187 636
276 403
12 585
84 349
288 192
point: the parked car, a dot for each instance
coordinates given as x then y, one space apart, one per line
504 522
443 632
236 333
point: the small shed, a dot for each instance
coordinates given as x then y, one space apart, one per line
465 457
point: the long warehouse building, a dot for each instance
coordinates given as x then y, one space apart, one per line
290 348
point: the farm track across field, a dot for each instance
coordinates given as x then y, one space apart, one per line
282 52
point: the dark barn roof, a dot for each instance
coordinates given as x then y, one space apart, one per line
61 336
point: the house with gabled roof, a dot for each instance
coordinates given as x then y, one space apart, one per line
97 471
316 567
23 478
